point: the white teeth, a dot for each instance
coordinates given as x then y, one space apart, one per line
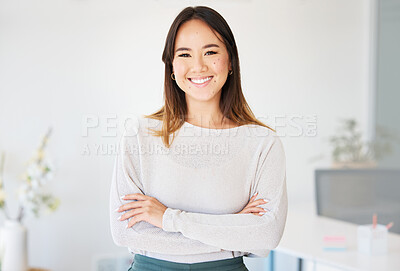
201 81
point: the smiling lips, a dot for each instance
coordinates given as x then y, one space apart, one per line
200 81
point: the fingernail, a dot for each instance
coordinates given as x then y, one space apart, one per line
261 213
119 218
265 200
266 209
116 210
122 197
126 226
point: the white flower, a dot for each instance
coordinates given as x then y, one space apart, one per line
48 177
30 195
38 172
34 170
35 183
2 195
49 164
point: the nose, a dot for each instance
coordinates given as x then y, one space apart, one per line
199 65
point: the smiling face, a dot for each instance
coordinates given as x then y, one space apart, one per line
201 62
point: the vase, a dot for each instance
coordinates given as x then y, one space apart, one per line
13 246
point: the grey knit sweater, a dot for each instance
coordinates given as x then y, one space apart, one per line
204 178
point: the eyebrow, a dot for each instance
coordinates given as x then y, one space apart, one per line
204 47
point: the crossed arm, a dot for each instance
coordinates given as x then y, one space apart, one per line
157 228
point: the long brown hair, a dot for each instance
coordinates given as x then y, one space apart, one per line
232 103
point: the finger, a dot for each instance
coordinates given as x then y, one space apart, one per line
135 196
257 202
255 210
131 205
253 197
130 214
262 201
252 210
135 219
244 211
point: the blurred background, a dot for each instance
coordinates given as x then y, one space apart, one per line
309 68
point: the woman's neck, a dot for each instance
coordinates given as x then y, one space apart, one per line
209 121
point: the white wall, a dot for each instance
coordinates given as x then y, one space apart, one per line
61 61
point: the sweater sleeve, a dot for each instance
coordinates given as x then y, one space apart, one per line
243 232
143 235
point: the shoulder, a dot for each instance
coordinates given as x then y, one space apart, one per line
264 134
266 138
134 129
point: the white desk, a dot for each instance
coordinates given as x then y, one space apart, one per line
303 238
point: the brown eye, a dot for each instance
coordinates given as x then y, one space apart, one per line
183 55
211 52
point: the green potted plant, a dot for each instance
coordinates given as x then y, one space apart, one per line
349 150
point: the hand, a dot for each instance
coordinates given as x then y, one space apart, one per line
251 208
144 208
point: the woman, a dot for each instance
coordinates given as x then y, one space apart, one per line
216 190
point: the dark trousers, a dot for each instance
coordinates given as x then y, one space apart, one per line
144 263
